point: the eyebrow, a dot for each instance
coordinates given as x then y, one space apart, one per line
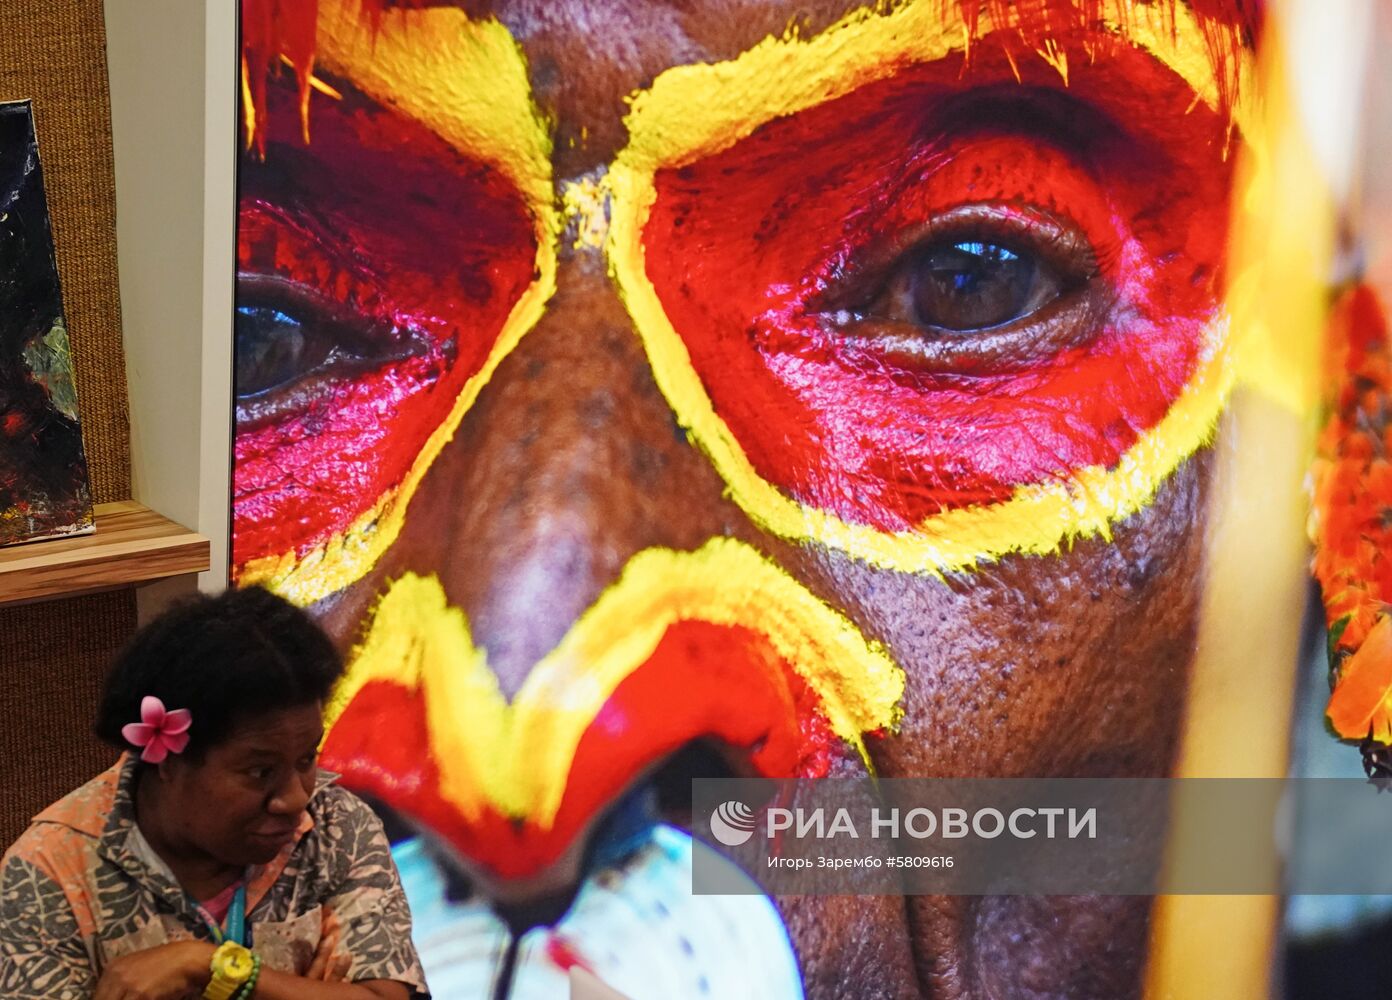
1245 15
1229 27
262 751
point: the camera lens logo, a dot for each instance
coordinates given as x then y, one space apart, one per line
732 823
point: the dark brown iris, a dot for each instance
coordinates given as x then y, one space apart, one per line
974 285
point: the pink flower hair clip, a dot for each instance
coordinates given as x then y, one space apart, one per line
159 731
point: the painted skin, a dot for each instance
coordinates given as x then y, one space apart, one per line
569 463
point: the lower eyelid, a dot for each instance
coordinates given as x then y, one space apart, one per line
324 386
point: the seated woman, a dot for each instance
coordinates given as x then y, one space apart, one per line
213 859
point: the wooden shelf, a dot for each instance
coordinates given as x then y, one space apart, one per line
132 544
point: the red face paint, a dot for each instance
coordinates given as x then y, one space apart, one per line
735 689
392 261
773 258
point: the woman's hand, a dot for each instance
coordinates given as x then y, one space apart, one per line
170 972
329 964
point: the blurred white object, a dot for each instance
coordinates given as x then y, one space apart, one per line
636 928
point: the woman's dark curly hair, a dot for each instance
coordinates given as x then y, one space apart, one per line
226 659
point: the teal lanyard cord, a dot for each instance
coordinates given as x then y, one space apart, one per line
236 917
235 927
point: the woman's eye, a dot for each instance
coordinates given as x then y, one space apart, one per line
969 285
274 348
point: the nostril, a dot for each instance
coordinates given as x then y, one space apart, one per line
624 828
672 781
542 911
617 837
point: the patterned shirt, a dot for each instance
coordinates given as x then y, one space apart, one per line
77 891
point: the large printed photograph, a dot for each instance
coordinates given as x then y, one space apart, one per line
640 392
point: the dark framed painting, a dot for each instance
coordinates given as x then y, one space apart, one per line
44 491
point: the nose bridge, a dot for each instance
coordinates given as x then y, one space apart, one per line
291 796
569 464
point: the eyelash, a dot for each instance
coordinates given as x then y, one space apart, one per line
348 344
857 283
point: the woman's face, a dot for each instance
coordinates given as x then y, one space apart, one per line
614 379
244 802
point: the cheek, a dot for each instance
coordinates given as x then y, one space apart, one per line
237 805
1075 664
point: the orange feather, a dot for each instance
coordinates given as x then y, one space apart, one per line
1362 701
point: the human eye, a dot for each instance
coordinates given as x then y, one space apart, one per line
971 281
360 315
931 293
294 348
976 285
307 762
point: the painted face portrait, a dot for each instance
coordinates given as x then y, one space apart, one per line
639 391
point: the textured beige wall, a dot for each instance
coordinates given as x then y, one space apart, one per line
52 654
52 52
170 199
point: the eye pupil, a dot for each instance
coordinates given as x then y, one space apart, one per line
972 285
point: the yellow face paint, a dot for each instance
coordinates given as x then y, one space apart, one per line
586 206
515 758
693 112
426 66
